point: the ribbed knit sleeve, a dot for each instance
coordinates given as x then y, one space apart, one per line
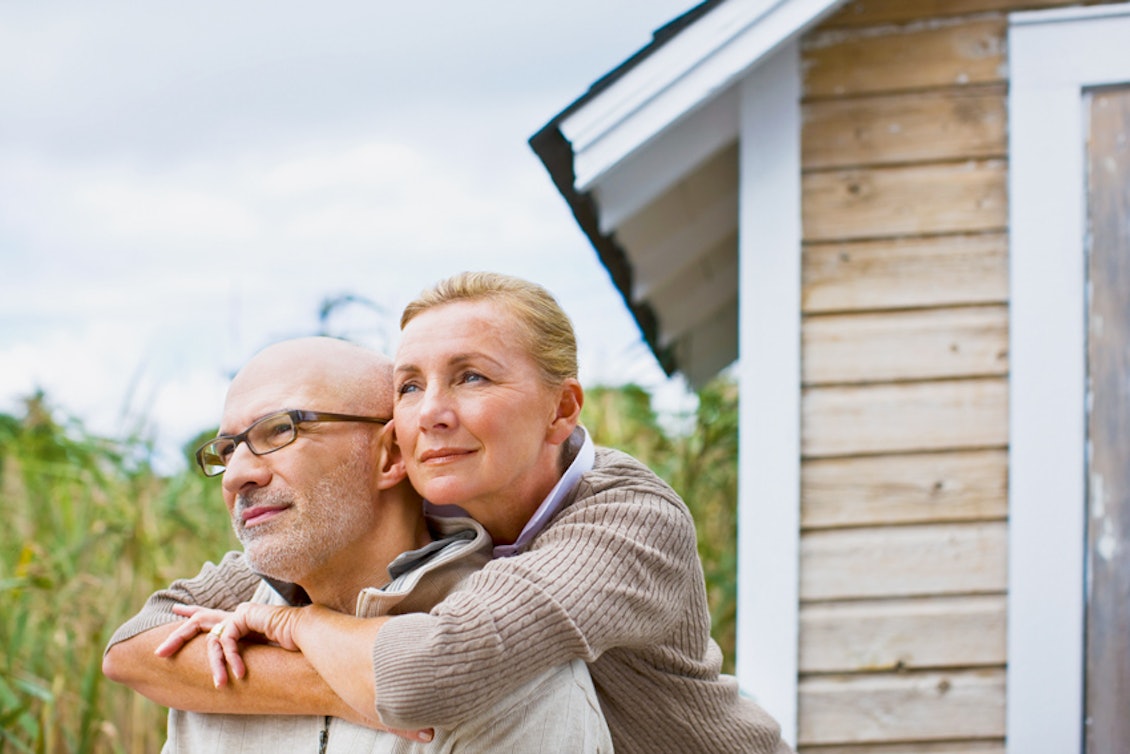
614 580
220 586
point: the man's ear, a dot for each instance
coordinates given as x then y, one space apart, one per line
570 399
391 470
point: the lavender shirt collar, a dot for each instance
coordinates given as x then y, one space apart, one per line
549 507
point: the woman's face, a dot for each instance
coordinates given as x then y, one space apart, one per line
477 424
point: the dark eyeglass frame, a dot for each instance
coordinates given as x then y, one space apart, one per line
211 464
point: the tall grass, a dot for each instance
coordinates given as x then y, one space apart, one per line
88 532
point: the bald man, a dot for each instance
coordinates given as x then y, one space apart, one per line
318 497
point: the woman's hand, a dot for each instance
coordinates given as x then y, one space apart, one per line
272 623
199 620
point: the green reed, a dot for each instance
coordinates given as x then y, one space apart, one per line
88 532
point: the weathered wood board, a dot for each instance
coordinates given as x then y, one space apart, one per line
901 707
885 129
900 635
966 746
913 345
905 272
934 198
886 59
902 489
1108 479
904 417
904 561
880 12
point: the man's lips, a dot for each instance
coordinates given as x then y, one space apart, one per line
261 513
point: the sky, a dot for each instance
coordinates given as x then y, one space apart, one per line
184 183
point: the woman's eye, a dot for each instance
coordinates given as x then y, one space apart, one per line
472 377
407 387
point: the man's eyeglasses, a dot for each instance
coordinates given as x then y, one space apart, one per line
266 436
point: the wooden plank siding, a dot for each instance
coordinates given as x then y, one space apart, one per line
910 488
914 345
879 12
990 746
1108 435
904 425
905 128
905 273
904 417
903 635
966 704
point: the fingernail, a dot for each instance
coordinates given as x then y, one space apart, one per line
425 736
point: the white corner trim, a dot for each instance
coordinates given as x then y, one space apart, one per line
700 61
1054 55
769 249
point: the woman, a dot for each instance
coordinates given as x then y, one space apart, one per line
595 556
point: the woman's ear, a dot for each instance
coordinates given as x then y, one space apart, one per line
570 399
391 470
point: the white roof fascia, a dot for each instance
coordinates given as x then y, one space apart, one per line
646 173
699 62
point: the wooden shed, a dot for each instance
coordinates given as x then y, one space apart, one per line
909 225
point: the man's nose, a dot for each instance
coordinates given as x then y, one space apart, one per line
244 468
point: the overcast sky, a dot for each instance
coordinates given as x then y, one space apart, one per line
182 183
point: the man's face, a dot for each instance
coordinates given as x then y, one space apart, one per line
304 509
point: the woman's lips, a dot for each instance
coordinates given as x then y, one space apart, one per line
443 455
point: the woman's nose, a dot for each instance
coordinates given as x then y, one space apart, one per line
436 408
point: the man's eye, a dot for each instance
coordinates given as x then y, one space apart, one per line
224 452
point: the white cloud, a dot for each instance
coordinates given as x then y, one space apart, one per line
175 191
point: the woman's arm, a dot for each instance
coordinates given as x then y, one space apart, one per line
337 647
618 569
278 681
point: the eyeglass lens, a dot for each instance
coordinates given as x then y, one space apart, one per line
268 434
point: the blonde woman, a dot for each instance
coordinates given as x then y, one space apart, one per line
595 557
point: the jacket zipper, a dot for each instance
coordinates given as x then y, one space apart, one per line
324 736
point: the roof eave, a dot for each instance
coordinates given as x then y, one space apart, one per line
556 153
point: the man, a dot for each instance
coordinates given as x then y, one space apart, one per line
319 498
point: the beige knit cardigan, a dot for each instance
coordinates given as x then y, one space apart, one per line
614 579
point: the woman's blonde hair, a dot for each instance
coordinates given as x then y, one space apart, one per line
545 328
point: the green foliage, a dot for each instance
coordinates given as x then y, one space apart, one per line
701 464
90 531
